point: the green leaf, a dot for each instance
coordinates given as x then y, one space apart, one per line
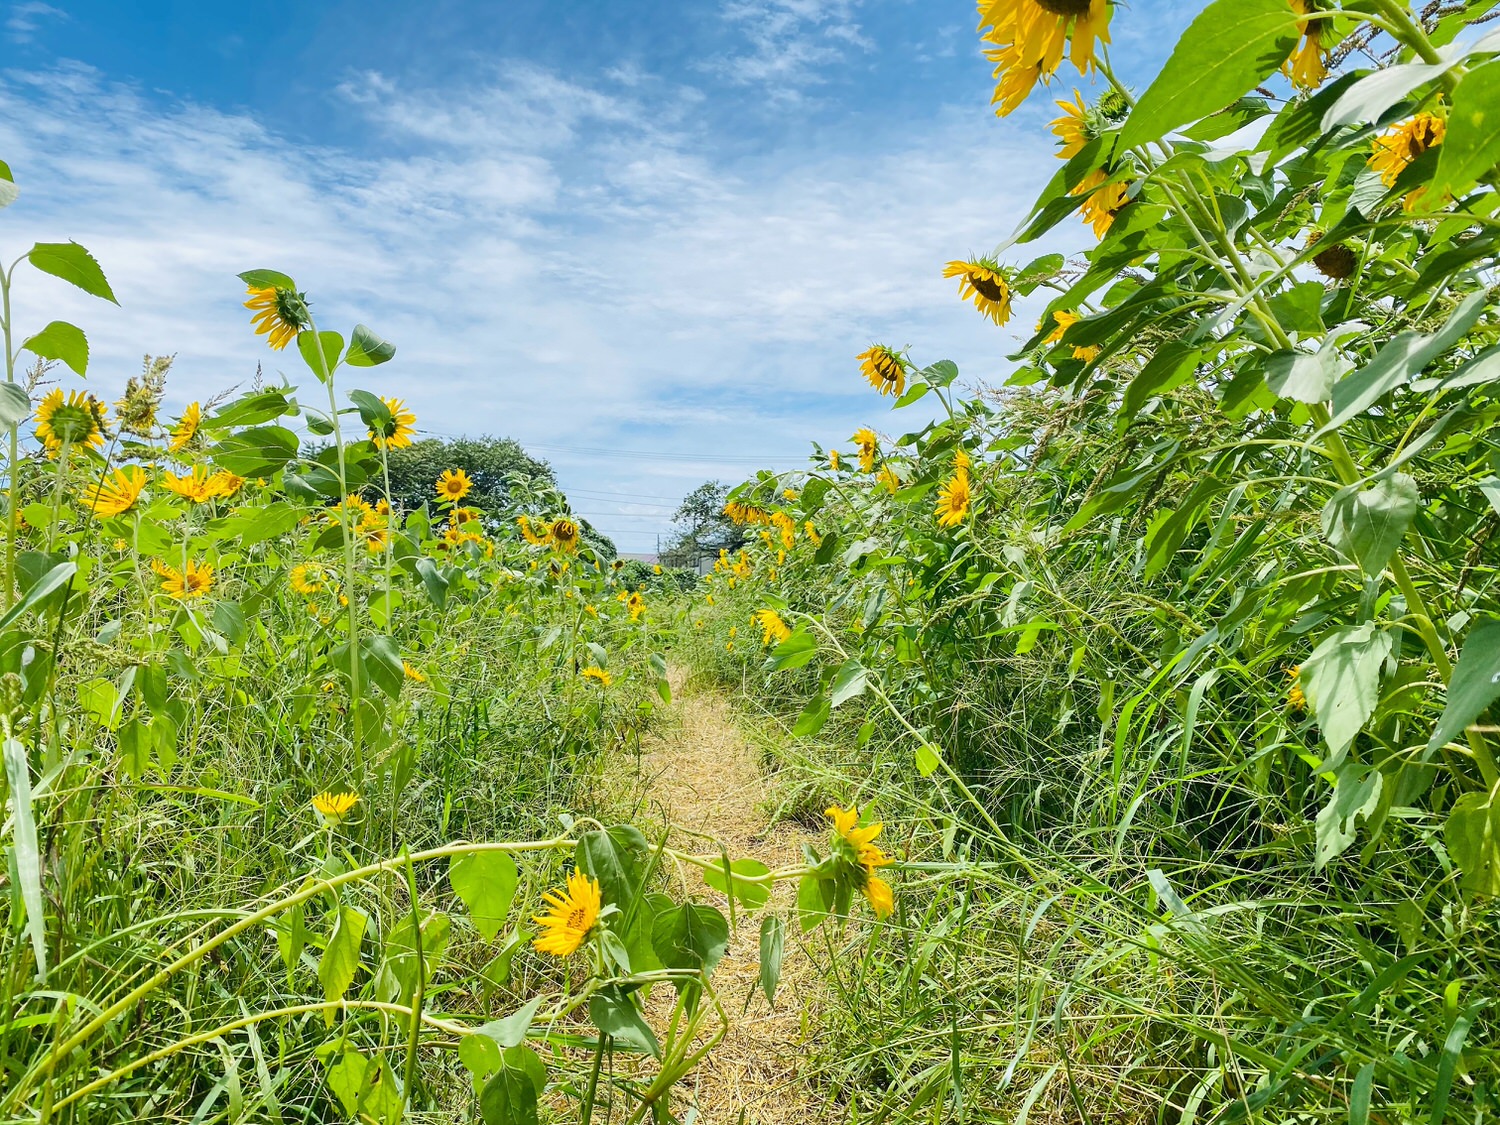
751 895
333 344
1356 793
55 578
26 851
772 951
616 1015
381 660
401 963
373 412
510 1097
812 718
1229 120
367 349
690 937
929 758
486 883
1368 98
1230 48
340 960
267 279
812 906
73 264
433 582
100 699
258 452
61 341
1471 146
941 373
1173 364
1341 680
1475 683
511 1031
15 405
8 190
1368 524
1303 377
1472 836
617 857
848 682
913 393
795 651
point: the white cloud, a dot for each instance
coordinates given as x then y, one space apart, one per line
570 265
791 42
25 19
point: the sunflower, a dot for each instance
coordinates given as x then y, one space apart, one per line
195 581
1074 129
889 480
772 627
75 419
742 514
412 674
1308 65
884 369
861 841
186 429
1030 36
1295 698
529 533
224 484
279 314
1395 152
1337 262
118 492
598 675
453 485
396 434
1063 320
787 527
307 579
982 281
953 499
812 534
197 486
564 534
572 917
1105 200
865 438
833 460
334 807
636 604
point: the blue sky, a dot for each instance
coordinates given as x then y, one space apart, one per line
647 244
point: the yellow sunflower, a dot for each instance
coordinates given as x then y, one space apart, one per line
186 429
1105 200
1073 128
75 419
1307 68
398 431
574 913
812 534
982 281
865 438
564 534
833 460
772 627
1030 37
279 314
412 674
889 480
184 585
879 895
1295 698
1399 148
197 486
884 369
636 604
953 500
453 485
1062 320
307 579
334 807
787 527
598 675
117 492
224 485
529 533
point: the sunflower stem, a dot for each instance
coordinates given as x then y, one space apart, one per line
12 527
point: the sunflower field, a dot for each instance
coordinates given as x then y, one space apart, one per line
1174 648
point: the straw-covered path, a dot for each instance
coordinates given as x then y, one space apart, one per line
701 774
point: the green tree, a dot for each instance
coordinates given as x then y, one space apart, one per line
701 528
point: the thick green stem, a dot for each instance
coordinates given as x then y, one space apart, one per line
13 489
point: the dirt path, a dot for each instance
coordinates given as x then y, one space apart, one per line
702 775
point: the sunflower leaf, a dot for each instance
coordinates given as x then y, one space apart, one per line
61 341
267 279
1231 48
15 404
486 883
1471 146
367 349
73 264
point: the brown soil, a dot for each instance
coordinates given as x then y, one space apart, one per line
702 776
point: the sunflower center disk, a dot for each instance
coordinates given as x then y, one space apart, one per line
1064 7
988 289
577 918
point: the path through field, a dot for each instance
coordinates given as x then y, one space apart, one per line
702 775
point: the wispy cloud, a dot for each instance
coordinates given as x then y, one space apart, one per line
26 18
791 43
573 265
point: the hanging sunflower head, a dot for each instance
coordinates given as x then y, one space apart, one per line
1336 262
1399 148
1105 199
1029 37
1308 65
396 431
1076 127
564 534
75 419
868 443
280 312
186 429
884 369
982 281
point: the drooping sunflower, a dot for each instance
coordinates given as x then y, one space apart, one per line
982 281
868 443
75 419
889 480
564 534
307 579
193 582
118 492
279 314
1029 38
334 807
197 487
879 895
529 533
787 527
884 369
1399 148
1073 129
225 484
833 460
772 627
953 499
1105 200
1295 698
1062 320
1308 65
186 429
1337 262
812 534
598 675
454 485
636 605
861 841
411 673
398 431
574 913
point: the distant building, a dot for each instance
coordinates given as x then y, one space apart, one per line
650 560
